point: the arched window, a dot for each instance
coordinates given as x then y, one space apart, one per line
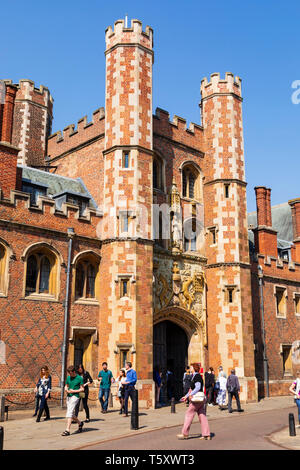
191 183
158 173
86 276
41 268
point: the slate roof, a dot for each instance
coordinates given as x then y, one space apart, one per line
56 184
281 222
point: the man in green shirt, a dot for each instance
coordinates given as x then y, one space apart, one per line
106 379
74 385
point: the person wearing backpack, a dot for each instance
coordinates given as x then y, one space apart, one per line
233 389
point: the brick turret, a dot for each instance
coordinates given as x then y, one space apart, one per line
295 207
32 120
230 330
127 250
265 236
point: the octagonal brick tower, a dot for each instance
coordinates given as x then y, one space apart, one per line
230 328
127 247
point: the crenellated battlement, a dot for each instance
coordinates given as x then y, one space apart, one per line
230 84
134 34
41 214
28 91
72 135
280 267
178 122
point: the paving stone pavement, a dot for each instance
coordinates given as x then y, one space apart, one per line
21 432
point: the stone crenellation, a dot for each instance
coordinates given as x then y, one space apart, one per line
230 84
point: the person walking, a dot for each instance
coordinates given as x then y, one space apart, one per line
87 380
129 385
295 389
187 378
121 391
195 407
106 379
42 389
157 381
221 397
209 385
233 389
74 386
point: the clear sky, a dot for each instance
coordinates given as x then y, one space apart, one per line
60 44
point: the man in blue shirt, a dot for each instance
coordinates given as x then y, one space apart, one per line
129 384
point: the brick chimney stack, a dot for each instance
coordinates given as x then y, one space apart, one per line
295 207
265 235
8 113
8 153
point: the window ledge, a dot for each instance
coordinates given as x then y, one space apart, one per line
283 316
40 297
86 302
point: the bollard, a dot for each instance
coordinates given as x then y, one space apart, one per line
135 411
1 437
173 410
292 424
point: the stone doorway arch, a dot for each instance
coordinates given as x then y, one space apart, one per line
177 342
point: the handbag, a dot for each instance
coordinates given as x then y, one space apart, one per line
199 397
81 395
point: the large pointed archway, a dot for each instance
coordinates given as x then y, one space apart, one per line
177 342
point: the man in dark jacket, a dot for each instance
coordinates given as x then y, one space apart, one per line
209 385
233 389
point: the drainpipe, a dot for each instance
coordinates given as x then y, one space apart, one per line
71 234
265 359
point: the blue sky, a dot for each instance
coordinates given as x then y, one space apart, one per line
61 45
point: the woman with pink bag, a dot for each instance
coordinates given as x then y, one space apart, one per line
197 405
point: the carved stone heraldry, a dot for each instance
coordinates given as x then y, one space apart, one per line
181 288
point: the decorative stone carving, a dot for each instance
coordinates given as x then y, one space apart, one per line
183 288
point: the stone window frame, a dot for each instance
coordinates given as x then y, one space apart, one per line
234 289
122 348
161 172
56 261
130 278
209 232
283 288
94 259
130 215
124 153
290 371
296 295
198 186
4 267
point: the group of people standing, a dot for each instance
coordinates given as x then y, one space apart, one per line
215 392
77 389
216 389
